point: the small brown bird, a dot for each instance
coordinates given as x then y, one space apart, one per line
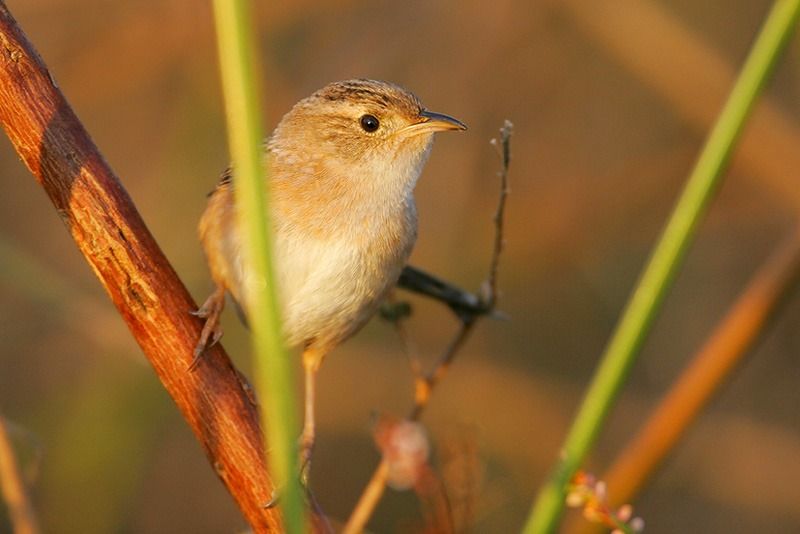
343 164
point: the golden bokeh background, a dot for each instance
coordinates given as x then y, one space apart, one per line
610 101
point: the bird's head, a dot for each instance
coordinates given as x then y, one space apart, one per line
360 128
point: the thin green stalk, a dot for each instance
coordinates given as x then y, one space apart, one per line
660 271
273 371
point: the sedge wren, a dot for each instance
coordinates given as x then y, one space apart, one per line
342 168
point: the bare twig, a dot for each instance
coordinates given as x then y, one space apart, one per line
488 297
504 151
425 383
467 306
369 499
423 387
134 271
23 516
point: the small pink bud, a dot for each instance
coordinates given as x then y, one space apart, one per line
404 445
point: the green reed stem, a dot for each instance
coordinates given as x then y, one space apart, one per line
660 271
273 371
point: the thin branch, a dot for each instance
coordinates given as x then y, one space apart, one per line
423 387
424 384
23 516
467 306
488 298
369 499
134 271
504 151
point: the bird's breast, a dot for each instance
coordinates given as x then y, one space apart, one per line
332 282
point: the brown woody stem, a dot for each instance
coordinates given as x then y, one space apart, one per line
142 284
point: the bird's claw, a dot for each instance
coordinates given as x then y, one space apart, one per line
212 330
306 450
275 497
273 500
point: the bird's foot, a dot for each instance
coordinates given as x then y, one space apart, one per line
306 450
273 499
212 330
302 478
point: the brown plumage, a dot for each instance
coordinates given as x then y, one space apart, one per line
342 167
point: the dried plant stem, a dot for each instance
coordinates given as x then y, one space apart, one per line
23 517
423 387
663 265
735 335
369 499
113 238
504 151
424 384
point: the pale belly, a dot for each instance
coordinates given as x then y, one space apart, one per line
329 289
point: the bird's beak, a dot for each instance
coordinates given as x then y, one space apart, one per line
439 121
430 121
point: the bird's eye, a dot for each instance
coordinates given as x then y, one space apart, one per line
370 123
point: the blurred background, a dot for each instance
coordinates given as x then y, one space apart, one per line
610 102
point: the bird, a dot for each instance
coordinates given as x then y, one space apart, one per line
342 166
